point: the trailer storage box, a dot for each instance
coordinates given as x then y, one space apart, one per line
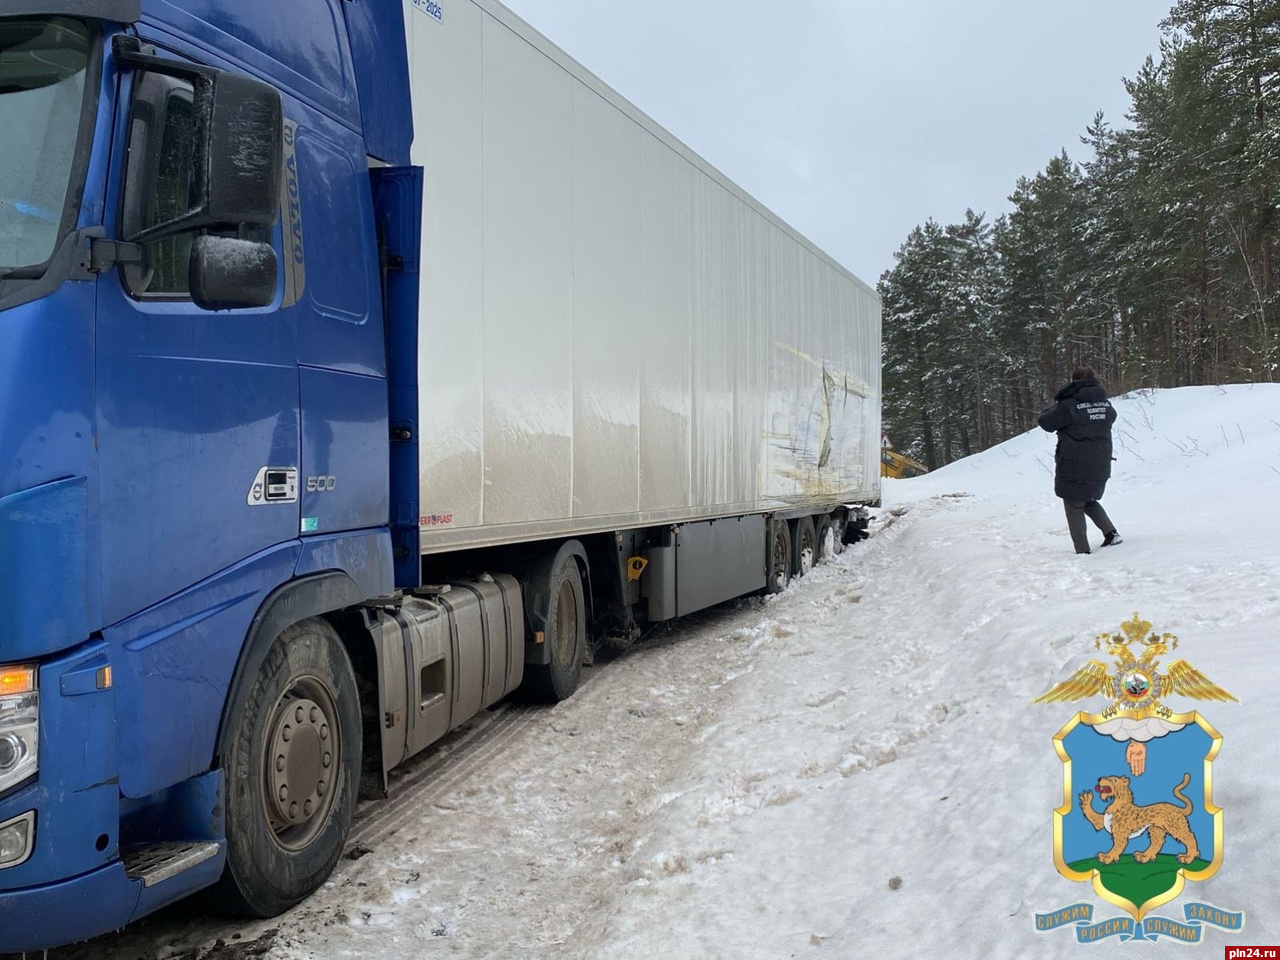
611 333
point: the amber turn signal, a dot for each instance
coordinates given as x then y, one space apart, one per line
17 680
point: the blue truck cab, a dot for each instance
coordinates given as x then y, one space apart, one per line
192 348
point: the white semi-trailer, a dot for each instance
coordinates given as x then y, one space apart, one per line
616 343
613 333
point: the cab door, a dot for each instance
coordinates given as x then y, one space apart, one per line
198 417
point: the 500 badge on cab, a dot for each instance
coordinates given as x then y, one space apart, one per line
321 484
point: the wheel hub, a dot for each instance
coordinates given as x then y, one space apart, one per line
566 623
781 561
299 762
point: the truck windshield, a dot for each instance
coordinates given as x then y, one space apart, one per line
43 71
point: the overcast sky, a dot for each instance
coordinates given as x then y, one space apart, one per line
856 121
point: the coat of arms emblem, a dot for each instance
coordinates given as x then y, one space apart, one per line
1137 818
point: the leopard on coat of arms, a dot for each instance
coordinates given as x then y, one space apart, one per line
1124 820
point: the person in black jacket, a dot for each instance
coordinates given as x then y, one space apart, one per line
1082 416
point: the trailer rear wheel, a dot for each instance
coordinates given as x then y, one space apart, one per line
838 521
806 546
827 539
293 771
779 572
565 636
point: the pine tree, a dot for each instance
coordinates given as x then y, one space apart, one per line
1154 260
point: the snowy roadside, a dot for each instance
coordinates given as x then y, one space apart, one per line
881 785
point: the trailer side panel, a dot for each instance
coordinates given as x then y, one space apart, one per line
612 333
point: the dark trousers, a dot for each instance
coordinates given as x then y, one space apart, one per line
1077 510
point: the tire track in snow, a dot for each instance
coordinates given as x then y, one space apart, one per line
452 762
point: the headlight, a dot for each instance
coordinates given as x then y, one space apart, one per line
19 725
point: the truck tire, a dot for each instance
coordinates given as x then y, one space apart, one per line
779 559
292 773
827 539
806 557
837 529
565 635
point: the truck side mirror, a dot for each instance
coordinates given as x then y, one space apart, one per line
239 151
206 160
227 273
238 155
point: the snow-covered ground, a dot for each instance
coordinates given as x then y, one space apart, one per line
853 768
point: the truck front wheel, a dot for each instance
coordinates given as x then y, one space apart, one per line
292 770
565 636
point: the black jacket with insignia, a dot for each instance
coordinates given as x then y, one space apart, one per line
1082 418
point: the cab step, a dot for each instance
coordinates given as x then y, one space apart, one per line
157 862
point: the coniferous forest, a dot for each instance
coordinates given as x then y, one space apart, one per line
1154 257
